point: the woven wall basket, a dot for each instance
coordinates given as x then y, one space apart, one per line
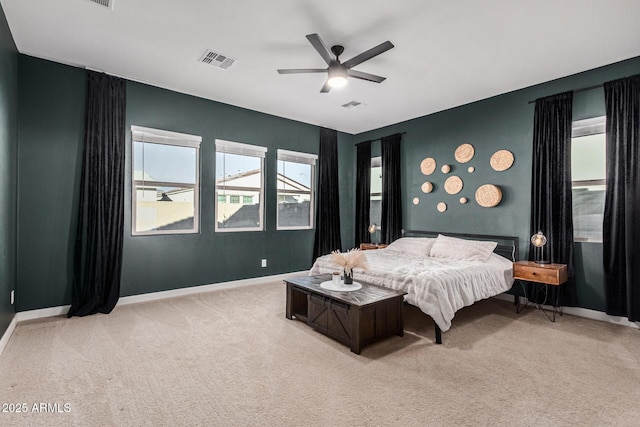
453 185
464 153
427 187
488 195
427 166
501 160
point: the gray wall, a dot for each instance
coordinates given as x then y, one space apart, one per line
8 144
501 122
51 127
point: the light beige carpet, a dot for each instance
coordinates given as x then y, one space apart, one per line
230 357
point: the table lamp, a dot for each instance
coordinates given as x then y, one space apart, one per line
373 228
539 240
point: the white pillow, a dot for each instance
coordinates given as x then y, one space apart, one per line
462 249
419 246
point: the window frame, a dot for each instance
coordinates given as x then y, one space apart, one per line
164 137
302 158
376 162
238 148
581 128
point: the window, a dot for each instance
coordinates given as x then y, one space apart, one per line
240 175
165 190
588 174
295 181
375 204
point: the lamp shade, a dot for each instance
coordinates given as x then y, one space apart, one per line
538 240
373 228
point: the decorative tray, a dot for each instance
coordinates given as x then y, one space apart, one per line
341 287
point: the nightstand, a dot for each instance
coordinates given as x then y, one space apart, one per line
544 274
371 246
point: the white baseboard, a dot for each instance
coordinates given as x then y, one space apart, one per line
134 299
583 312
41 313
7 334
153 296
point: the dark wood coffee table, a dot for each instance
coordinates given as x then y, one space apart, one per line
354 318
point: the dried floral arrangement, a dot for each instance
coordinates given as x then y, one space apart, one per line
355 258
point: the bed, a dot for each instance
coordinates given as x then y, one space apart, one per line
441 272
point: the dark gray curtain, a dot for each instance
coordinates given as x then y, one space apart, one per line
327 236
100 227
363 192
391 189
551 206
621 228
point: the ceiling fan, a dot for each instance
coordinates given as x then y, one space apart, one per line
338 72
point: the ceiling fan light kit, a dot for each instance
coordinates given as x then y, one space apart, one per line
337 75
338 72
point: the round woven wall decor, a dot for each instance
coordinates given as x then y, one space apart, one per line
471 169
453 185
416 201
464 153
446 169
442 206
463 200
488 195
427 187
428 166
501 160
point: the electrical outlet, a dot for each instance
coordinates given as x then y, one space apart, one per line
264 263
12 296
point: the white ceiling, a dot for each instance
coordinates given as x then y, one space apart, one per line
447 53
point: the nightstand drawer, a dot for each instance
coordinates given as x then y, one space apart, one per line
551 274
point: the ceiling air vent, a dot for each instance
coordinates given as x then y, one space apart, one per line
105 3
217 60
353 105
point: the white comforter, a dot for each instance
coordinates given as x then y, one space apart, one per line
438 286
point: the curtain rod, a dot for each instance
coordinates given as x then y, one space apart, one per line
378 139
577 91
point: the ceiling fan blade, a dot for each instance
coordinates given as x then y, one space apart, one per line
365 76
322 49
326 88
364 56
302 70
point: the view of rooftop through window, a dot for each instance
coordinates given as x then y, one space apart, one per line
165 180
588 175
294 194
240 176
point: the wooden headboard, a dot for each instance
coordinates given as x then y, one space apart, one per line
507 245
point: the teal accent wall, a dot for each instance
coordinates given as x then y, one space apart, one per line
155 263
501 122
347 176
50 133
51 125
8 147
